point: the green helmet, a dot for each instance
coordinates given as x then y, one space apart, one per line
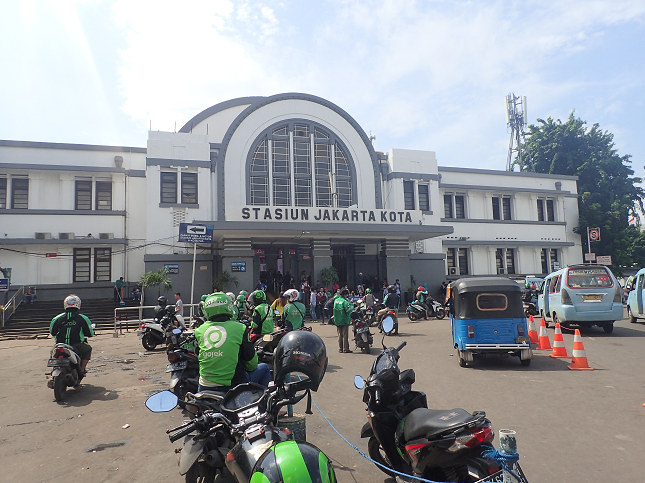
243 292
204 297
527 285
293 461
240 298
218 304
258 297
368 290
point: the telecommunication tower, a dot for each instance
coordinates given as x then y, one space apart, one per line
516 120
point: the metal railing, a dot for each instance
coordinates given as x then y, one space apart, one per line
139 308
10 307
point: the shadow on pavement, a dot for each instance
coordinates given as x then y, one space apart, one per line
538 364
86 393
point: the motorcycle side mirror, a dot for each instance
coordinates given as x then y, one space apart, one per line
276 312
267 338
359 383
162 402
388 324
93 326
176 331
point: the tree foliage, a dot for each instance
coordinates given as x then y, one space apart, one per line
158 278
223 280
328 276
608 195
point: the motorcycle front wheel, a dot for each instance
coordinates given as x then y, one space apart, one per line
60 387
377 454
412 316
201 473
372 321
148 342
441 313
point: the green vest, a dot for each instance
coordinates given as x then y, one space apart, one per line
219 351
294 312
267 325
342 311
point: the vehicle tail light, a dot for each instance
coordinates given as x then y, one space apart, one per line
471 331
520 330
477 437
144 325
565 297
172 357
59 353
230 457
414 450
618 296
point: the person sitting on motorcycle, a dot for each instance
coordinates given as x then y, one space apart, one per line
72 328
422 299
200 307
160 309
368 298
241 305
391 302
226 355
262 315
294 313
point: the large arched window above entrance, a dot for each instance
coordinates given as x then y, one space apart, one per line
300 163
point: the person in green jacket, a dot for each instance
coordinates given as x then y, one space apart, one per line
294 312
226 355
342 319
241 305
73 328
262 315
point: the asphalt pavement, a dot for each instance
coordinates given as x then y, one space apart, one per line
572 426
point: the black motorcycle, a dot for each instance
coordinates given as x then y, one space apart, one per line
183 366
406 436
362 335
415 311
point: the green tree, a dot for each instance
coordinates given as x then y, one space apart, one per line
158 278
608 194
328 276
223 280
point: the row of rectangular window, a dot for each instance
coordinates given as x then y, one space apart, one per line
169 187
83 195
82 261
19 199
457 258
423 192
454 207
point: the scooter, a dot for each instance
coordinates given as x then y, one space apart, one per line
66 372
183 366
416 312
158 331
405 436
392 314
362 335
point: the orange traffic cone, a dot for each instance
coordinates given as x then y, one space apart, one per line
579 362
559 350
544 344
533 335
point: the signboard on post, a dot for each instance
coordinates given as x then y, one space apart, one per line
4 284
590 257
192 233
603 259
594 234
238 266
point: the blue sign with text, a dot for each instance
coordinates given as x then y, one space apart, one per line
4 284
193 233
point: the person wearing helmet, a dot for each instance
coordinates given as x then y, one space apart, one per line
72 328
160 309
342 310
226 355
391 301
262 315
368 298
200 307
240 305
422 297
294 313
231 295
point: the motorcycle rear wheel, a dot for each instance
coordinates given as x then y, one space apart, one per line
412 316
374 449
441 313
148 342
365 349
372 321
60 387
201 473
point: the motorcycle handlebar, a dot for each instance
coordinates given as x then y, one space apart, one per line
401 346
377 396
187 430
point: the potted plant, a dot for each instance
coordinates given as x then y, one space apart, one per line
223 280
408 296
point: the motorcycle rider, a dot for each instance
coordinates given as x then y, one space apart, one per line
294 312
241 305
422 298
368 299
226 355
342 310
160 309
262 315
72 328
391 302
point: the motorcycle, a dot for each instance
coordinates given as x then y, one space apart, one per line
369 314
530 308
183 366
390 313
362 335
244 431
66 372
159 331
405 436
416 312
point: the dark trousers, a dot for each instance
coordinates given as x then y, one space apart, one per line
343 338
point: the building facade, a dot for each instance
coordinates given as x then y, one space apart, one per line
289 182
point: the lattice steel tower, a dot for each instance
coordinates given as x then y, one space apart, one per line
516 120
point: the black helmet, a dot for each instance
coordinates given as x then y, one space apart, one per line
391 289
293 458
170 309
258 297
356 315
162 300
302 352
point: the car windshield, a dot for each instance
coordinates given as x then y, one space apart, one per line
597 277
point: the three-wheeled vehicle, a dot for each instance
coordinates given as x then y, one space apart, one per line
487 318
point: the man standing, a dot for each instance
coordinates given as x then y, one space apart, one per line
179 305
342 319
118 290
313 303
359 284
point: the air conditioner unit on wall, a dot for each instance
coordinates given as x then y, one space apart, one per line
501 271
66 236
43 236
106 236
452 270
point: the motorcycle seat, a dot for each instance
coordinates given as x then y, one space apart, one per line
426 423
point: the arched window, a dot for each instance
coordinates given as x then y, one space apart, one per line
300 163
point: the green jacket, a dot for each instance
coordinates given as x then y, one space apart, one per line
262 319
71 328
342 311
225 352
294 313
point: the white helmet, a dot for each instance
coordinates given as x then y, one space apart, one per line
72 302
292 295
231 295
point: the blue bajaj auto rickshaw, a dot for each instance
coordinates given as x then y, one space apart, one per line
487 318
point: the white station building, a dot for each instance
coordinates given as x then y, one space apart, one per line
289 182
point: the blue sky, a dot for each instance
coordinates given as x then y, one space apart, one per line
425 75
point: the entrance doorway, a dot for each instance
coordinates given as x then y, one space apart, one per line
339 262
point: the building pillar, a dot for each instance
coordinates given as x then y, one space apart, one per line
321 253
397 260
239 250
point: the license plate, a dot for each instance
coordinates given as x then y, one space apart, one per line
177 366
499 476
57 362
522 340
362 329
592 297
369 312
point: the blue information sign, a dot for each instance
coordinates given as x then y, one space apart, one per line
4 284
238 266
193 233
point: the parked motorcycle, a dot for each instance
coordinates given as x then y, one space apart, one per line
159 331
66 372
404 435
369 314
416 312
362 335
183 365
